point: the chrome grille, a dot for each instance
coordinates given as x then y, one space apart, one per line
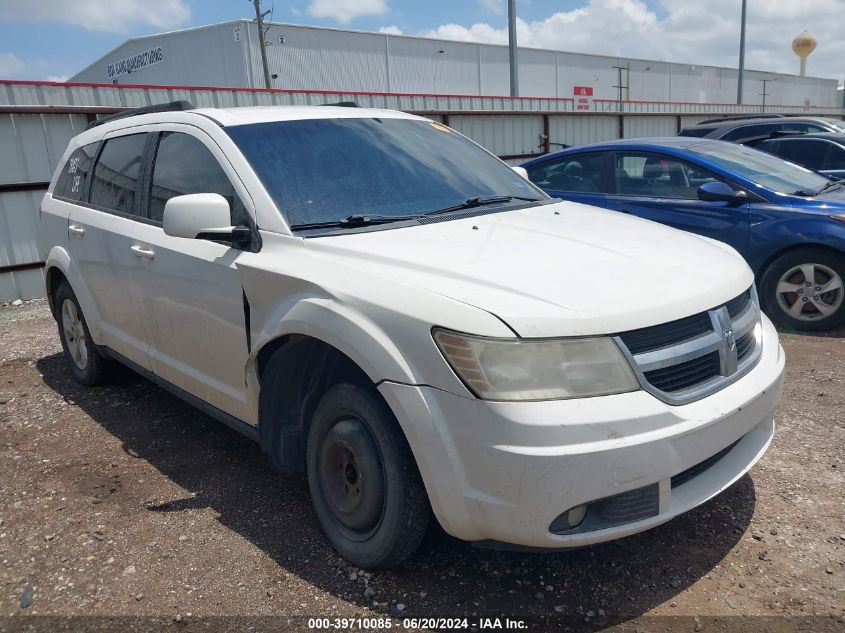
688 359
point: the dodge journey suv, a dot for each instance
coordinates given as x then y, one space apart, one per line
391 310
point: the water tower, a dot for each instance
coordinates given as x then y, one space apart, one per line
804 44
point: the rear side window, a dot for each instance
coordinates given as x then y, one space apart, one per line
183 165
835 157
114 185
746 132
573 173
696 131
71 182
809 153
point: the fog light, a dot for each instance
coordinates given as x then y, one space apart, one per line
570 519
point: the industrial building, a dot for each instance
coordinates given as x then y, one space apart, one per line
317 58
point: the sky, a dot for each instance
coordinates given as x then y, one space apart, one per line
53 39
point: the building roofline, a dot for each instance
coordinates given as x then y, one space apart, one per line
436 39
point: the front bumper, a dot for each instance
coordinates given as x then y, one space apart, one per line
503 471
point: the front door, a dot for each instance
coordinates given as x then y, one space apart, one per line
665 189
194 306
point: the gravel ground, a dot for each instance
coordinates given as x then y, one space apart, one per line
122 501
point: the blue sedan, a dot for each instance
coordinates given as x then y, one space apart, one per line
787 221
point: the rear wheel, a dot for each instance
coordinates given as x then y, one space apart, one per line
805 290
86 364
363 480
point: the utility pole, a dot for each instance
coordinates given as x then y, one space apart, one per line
514 61
765 94
620 85
741 56
259 21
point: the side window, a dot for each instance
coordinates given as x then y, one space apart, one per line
572 173
804 152
71 182
184 165
835 157
114 184
797 126
654 176
746 132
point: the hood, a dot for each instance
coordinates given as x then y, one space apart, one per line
561 269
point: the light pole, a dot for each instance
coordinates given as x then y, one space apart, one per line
514 61
741 56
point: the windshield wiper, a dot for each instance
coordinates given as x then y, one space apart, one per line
353 221
830 185
478 201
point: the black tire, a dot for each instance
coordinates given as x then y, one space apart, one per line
96 368
787 268
355 444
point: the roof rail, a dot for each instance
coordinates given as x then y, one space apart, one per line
740 117
173 106
343 104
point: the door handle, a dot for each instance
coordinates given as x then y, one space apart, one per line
144 252
75 229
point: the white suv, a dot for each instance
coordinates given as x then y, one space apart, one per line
388 308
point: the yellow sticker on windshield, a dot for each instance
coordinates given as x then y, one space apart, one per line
439 126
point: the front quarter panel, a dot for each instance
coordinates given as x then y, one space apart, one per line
774 229
383 325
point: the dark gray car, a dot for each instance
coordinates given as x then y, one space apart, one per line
824 153
743 128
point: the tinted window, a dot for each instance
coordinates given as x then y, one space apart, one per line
573 173
760 168
323 170
115 181
836 157
798 126
804 152
656 176
745 132
184 165
696 131
71 182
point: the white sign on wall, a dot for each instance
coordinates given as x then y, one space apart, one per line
135 63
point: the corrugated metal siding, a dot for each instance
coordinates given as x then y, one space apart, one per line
32 146
502 135
636 126
582 129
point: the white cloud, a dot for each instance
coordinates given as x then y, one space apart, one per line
115 16
344 11
692 31
390 30
10 65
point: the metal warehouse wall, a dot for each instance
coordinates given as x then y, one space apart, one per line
316 58
37 119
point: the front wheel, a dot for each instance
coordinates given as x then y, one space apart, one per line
363 479
804 290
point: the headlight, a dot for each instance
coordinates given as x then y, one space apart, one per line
551 369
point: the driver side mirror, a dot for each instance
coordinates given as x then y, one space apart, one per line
203 216
718 191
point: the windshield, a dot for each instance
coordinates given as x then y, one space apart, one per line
761 168
324 170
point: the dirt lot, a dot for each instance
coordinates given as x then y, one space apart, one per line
123 501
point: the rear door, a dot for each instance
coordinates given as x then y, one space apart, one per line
102 231
664 189
193 307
